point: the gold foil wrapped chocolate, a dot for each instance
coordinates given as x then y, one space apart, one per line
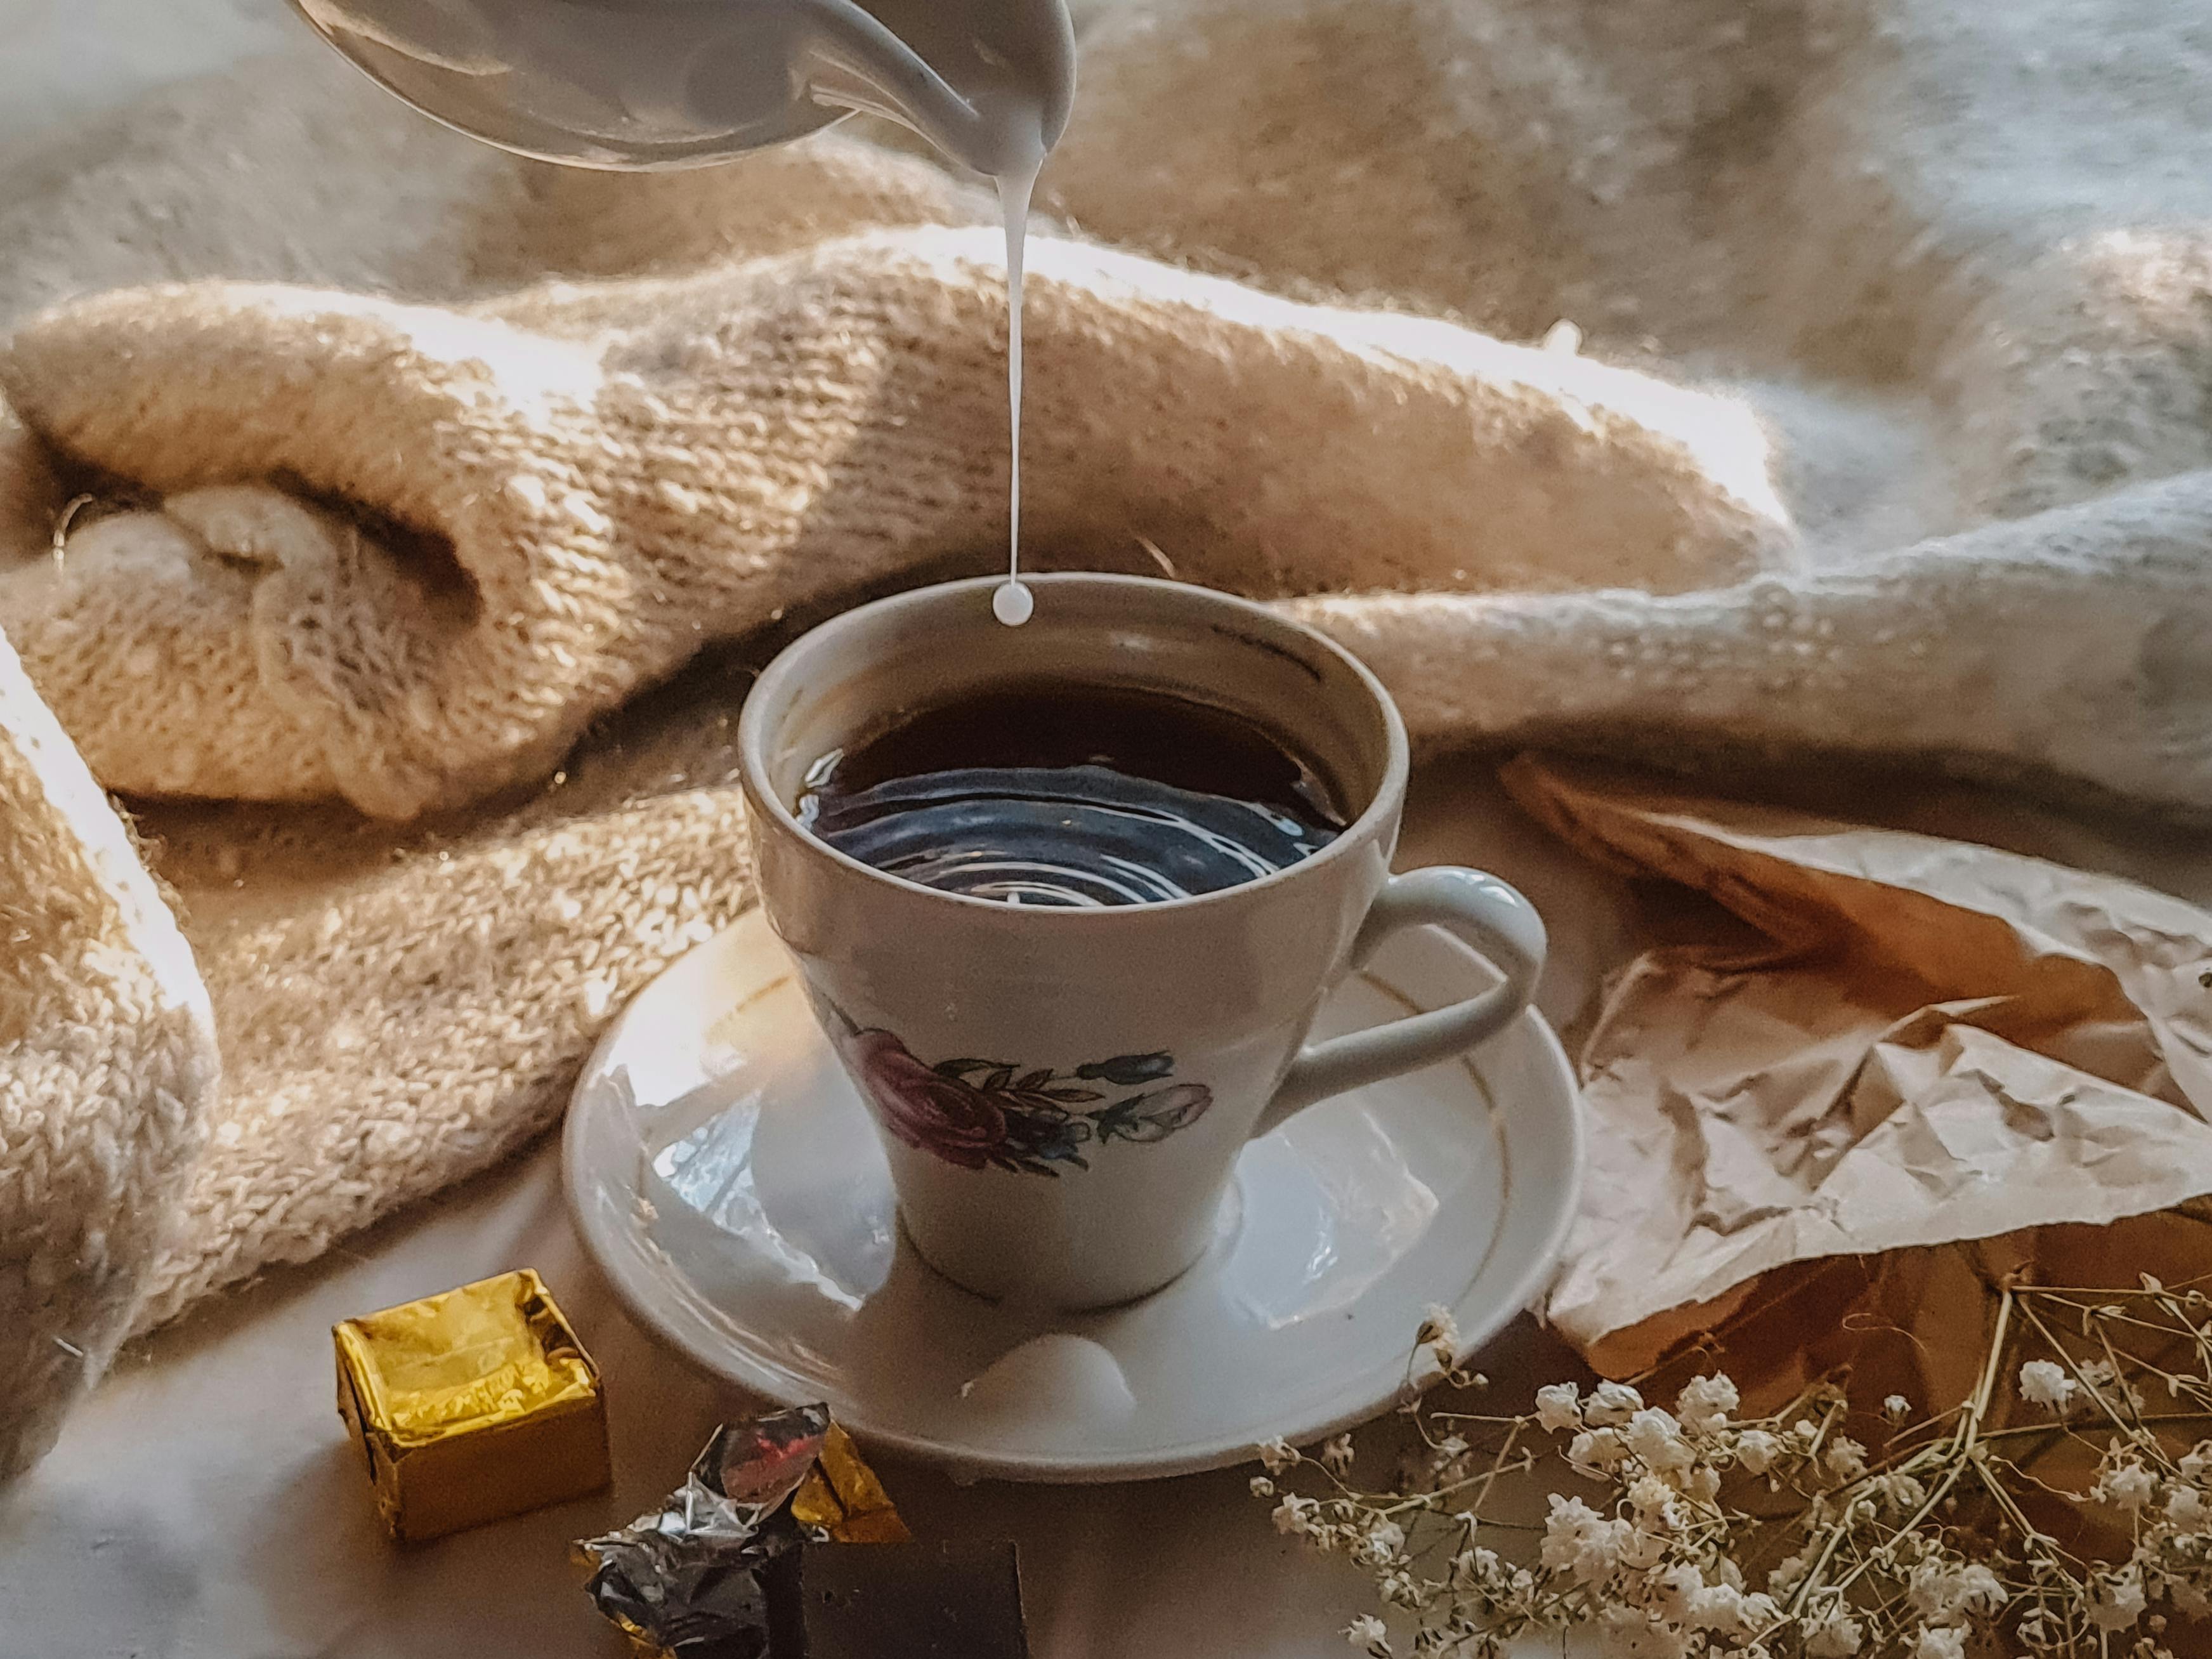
471 1406
841 1500
689 1578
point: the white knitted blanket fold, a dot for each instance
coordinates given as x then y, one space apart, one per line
362 489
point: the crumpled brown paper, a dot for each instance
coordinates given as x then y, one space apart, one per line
1913 1041
1918 1323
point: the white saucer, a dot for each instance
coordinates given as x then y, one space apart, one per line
724 1173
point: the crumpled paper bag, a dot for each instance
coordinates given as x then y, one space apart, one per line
1918 1323
1910 1041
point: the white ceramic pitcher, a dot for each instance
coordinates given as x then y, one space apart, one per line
662 83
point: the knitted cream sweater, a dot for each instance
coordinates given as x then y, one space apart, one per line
362 490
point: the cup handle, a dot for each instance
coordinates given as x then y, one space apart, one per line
1477 908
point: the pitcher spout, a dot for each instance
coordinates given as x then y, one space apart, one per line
988 81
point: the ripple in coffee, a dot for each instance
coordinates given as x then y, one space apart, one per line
1073 794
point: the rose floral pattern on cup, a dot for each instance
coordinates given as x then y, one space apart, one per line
987 1113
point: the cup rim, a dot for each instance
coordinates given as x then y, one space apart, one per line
787 663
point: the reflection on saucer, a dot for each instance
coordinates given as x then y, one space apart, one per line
1343 1208
712 1190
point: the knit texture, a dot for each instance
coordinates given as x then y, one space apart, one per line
608 479
395 522
107 1063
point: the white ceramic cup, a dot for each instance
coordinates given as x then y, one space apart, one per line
1062 1092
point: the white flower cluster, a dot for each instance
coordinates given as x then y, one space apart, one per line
1649 1572
2170 1510
1686 1531
2072 1389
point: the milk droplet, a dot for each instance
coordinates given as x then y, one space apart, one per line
1012 603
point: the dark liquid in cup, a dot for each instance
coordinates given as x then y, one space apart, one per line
1073 795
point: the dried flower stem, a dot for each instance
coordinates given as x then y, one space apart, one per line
1919 1551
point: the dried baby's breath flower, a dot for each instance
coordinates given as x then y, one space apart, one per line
1579 1540
1658 1506
1400 1588
1756 1450
1705 1403
1830 1633
2118 1601
1899 1494
1559 1409
1642 1549
1945 1589
1611 1405
1845 1458
1665 1519
2045 1384
2125 1485
1370 1635
1384 1543
1655 1436
1730 1610
1675 1588
1597 1448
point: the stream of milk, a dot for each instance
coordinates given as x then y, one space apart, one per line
1012 602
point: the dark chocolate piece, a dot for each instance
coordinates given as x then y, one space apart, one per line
935 1601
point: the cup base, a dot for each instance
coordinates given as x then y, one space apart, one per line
1218 1236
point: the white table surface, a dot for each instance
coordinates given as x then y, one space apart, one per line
205 1505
